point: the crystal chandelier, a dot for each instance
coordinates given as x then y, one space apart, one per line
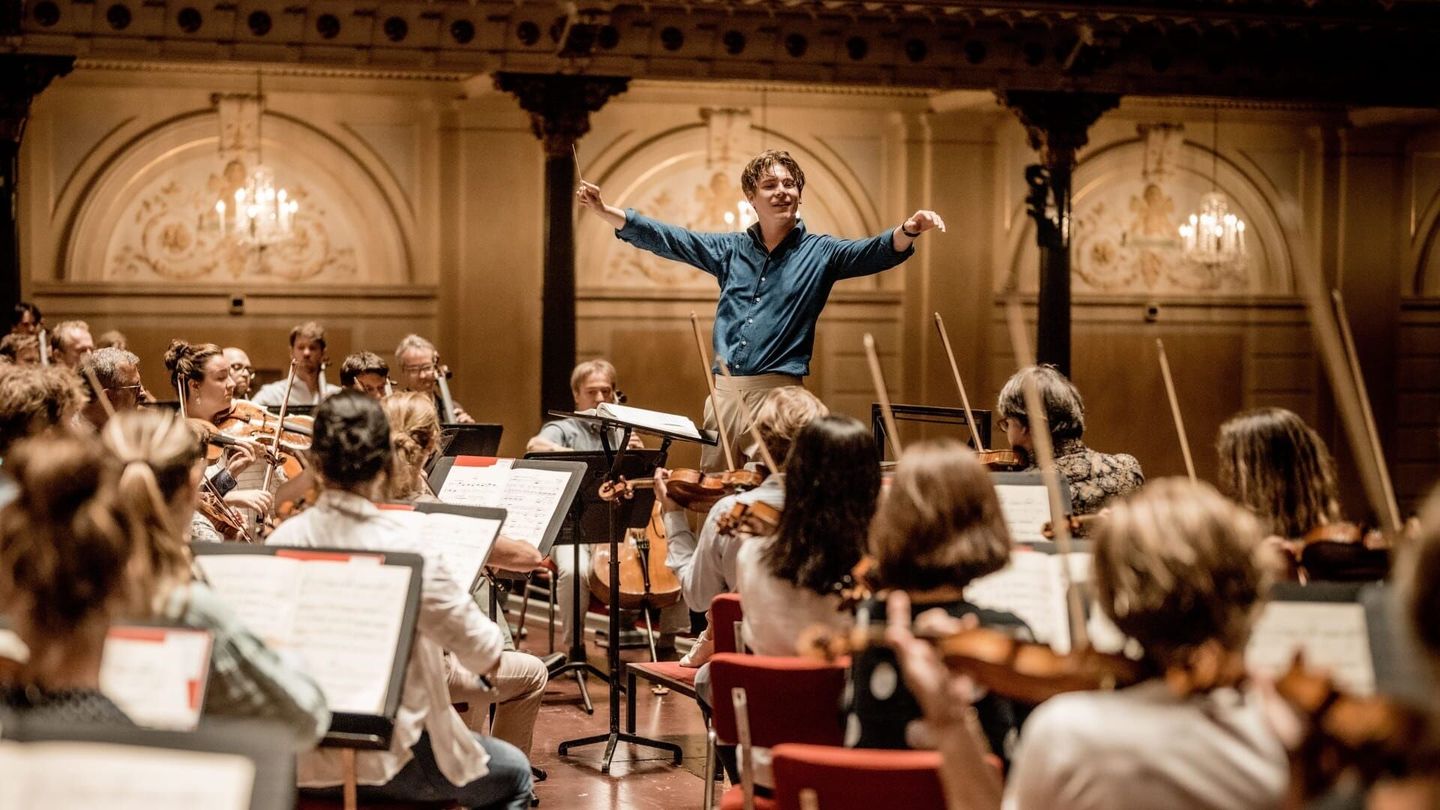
259 213
1213 235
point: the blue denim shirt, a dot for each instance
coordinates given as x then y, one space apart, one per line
769 302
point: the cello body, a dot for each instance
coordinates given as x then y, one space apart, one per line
645 580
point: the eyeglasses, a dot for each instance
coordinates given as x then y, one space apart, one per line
419 369
137 387
242 367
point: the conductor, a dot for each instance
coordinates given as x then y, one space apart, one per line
774 280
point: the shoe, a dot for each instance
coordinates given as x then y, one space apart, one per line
554 662
700 653
538 774
534 800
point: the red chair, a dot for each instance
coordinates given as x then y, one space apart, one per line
766 701
725 616
857 778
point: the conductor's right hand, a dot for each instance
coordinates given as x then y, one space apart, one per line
588 195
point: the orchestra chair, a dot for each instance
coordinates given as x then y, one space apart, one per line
856 778
725 616
764 701
669 674
349 800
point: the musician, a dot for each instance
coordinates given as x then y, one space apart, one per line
1276 466
202 376
69 342
118 372
1175 567
939 528
706 564
591 383
25 319
432 755
774 279
112 338
307 349
366 372
158 455
62 576
37 401
21 349
419 365
1093 477
242 371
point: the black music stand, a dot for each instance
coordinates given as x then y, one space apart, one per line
933 414
589 523
616 458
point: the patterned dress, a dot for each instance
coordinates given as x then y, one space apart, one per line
1095 477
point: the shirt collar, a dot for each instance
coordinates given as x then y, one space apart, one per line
348 502
795 235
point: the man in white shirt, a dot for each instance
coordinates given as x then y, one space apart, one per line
307 349
432 755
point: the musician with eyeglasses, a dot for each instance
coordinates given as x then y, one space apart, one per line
242 372
118 373
420 370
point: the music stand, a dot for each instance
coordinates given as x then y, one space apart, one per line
616 458
589 523
933 414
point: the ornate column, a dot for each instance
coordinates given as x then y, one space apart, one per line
559 107
1058 125
22 78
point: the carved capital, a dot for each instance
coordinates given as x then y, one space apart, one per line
1058 123
560 105
22 78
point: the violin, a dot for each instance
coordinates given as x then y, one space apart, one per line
1080 526
1338 552
698 491
758 519
1003 460
645 580
226 520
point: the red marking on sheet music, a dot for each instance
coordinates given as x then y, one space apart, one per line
479 461
328 556
396 507
155 635
193 686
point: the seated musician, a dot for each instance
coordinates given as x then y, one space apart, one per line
366 372
420 369
1175 567
591 383
432 755
25 319
118 372
20 349
202 375
1275 465
36 401
938 529
158 455
62 576
1094 478
307 349
112 339
242 372
69 342
705 564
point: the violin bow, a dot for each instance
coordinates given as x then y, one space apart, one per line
883 394
955 369
1039 420
100 391
1372 433
279 429
43 345
1175 410
180 393
710 381
754 427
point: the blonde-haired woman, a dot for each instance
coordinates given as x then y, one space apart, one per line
158 488
414 438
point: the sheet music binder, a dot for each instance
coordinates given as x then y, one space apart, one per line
348 729
265 743
477 512
592 523
133 629
575 470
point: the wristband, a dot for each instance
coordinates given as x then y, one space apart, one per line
915 235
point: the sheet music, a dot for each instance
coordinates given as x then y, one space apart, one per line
477 485
655 420
262 590
465 542
1333 636
156 675
83 776
530 497
1026 509
347 629
1032 587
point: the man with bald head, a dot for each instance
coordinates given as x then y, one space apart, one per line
241 372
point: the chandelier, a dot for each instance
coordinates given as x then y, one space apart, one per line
1212 235
742 217
259 213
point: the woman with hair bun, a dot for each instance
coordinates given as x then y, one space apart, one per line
157 489
64 548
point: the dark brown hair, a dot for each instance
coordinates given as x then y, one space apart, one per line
186 362
1275 465
33 399
940 523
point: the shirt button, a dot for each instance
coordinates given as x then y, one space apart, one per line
757 299
743 343
749 320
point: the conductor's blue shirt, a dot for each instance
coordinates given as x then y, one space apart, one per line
769 301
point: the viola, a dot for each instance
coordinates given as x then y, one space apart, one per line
698 491
645 580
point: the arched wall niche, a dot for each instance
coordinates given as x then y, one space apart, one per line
1129 199
690 176
145 213
1424 273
